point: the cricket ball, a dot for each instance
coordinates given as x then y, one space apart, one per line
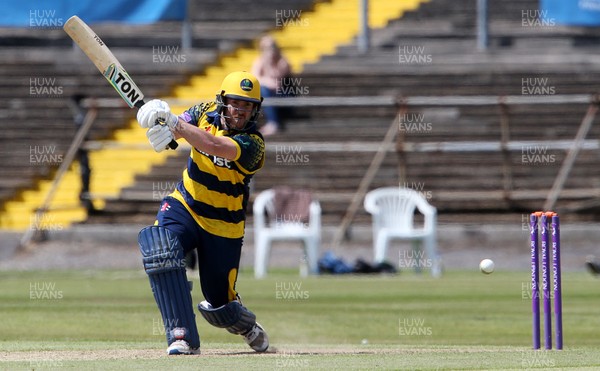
486 266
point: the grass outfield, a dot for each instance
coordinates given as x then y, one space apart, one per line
466 320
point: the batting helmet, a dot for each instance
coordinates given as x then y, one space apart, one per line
241 85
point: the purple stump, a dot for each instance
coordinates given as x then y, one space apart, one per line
535 290
556 272
545 237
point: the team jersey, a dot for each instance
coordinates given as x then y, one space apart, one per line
213 189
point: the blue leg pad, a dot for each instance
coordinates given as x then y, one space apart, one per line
233 317
164 262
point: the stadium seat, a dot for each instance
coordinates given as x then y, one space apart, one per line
284 214
393 213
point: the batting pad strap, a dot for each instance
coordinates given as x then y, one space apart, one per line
233 316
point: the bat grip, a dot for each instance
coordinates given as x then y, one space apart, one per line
173 144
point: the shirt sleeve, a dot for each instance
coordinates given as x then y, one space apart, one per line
193 114
252 151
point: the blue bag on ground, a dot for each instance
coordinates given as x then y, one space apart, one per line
330 263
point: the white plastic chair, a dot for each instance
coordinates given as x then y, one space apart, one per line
268 230
393 211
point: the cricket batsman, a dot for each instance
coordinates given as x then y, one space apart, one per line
205 212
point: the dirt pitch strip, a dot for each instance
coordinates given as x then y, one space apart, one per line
288 351
301 356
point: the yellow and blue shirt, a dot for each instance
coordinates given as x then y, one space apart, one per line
215 190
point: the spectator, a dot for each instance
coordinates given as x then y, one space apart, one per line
79 112
271 68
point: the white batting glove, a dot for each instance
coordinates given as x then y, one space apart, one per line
155 112
159 136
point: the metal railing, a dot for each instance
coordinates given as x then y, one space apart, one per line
402 146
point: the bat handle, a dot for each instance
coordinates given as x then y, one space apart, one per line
173 144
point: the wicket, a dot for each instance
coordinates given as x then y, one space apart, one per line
540 221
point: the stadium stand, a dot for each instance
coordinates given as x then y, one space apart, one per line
47 113
334 145
467 183
225 63
463 184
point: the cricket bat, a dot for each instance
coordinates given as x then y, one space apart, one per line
97 51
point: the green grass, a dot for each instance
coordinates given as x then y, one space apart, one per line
466 320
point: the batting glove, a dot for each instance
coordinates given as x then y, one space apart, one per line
156 112
159 136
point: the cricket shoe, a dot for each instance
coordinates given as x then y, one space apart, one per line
257 338
181 347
